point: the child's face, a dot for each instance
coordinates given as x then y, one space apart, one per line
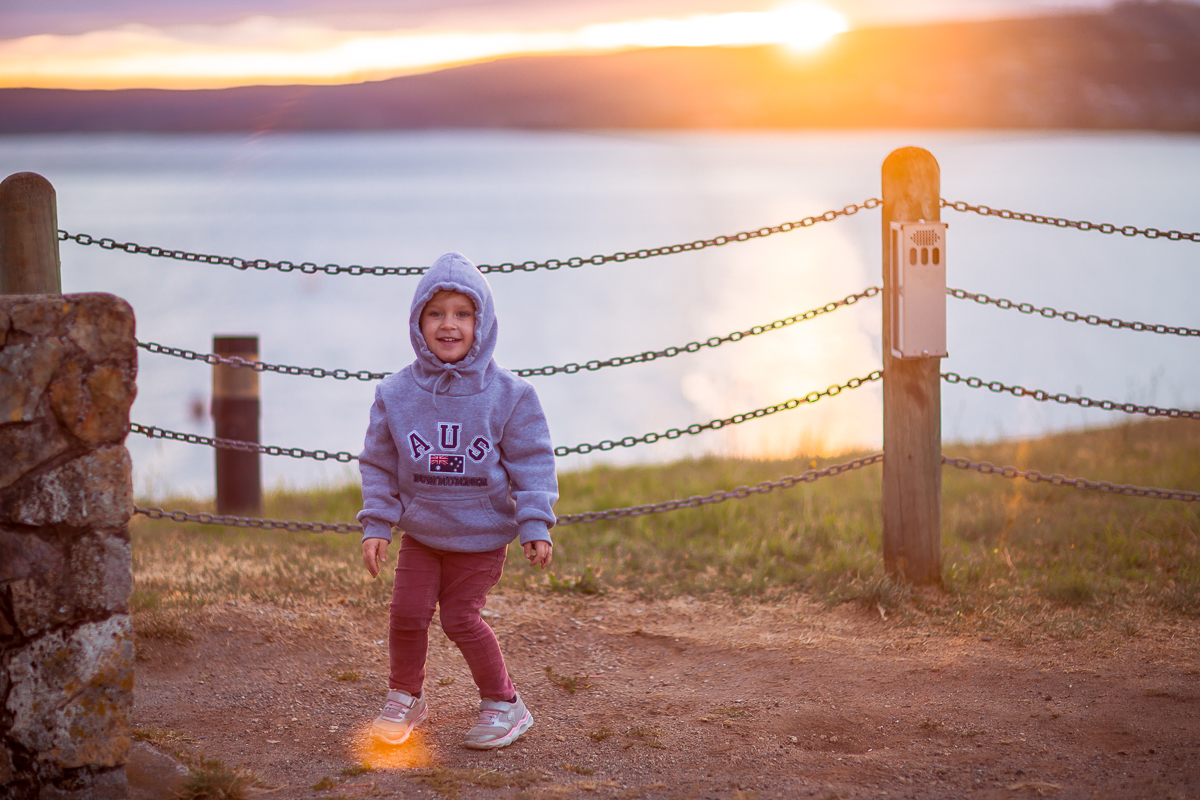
448 325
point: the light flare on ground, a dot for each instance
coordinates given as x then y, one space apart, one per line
413 754
266 51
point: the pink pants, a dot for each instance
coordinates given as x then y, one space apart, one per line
458 583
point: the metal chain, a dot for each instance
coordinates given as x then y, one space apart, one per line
720 497
1033 476
693 347
1071 316
696 501
1083 225
570 369
249 522
736 419
741 492
259 366
1086 402
246 447
608 444
310 268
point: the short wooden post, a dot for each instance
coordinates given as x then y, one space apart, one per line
28 236
912 397
235 411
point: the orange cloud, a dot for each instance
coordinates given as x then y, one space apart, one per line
265 51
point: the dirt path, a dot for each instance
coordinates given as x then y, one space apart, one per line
689 699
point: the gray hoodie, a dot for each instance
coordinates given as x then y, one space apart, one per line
457 455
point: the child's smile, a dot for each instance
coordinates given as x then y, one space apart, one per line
448 325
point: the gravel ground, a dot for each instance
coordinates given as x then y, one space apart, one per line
687 699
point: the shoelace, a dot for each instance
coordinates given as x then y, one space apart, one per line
488 716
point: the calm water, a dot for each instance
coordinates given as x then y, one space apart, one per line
405 198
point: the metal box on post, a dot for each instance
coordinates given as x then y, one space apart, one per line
918 279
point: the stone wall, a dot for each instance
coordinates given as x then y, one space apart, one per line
68 365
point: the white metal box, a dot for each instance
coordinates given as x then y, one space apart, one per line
918 283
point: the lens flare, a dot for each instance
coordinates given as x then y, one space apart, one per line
413 754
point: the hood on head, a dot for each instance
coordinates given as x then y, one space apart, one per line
456 273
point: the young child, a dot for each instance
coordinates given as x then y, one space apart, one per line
458 456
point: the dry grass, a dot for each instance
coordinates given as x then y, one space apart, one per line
1017 556
212 780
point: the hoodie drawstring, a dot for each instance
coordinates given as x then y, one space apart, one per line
445 378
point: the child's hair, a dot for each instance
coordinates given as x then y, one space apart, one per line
434 296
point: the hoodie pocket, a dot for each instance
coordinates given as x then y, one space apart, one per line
453 516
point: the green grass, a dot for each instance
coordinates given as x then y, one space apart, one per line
1010 548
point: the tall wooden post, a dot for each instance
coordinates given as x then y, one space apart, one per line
235 411
28 236
912 397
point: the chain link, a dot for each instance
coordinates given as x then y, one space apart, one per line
1033 476
566 519
1083 225
574 262
1071 316
259 366
570 369
693 347
739 493
249 522
696 501
716 424
1086 402
246 447
153 432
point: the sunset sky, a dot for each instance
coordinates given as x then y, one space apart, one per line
84 44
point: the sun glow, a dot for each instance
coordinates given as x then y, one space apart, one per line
262 50
413 754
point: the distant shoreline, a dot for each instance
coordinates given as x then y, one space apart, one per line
1135 67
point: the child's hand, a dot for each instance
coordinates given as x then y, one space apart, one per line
539 553
374 554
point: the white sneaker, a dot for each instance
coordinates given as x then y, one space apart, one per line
401 713
499 724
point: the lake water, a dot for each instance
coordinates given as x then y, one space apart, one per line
403 198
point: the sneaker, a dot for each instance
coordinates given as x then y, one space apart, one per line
499 724
401 713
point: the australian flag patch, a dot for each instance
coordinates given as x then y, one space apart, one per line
439 462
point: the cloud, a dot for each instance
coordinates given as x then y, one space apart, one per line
19 18
268 50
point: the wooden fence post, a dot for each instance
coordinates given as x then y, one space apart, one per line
28 236
912 398
235 411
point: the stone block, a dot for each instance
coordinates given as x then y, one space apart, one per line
95 490
94 405
25 372
85 330
101 571
28 445
103 327
108 784
39 314
6 768
153 775
72 694
7 631
35 573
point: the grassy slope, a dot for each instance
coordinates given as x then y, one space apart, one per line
1015 553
